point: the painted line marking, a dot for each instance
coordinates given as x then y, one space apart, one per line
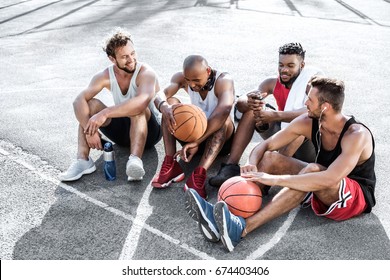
138 222
40 89
144 210
276 238
4 152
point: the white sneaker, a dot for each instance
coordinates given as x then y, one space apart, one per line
134 169
77 169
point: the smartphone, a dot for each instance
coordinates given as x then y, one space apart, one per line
258 97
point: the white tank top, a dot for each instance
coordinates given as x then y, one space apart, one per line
209 104
131 92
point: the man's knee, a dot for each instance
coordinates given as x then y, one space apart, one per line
242 104
173 100
145 115
269 158
95 106
312 167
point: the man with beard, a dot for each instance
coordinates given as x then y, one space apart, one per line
213 92
132 122
288 90
338 185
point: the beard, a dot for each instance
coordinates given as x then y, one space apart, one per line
310 115
316 114
127 70
290 82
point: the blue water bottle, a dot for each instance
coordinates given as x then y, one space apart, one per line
109 162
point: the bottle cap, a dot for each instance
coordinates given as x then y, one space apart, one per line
108 147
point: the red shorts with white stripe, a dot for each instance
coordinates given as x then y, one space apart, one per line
351 202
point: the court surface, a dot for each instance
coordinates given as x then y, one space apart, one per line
49 51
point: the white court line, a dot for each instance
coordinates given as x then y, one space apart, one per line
39 89
144 210
138 223
276 238
279 234
4 152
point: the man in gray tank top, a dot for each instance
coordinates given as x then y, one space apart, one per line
132 122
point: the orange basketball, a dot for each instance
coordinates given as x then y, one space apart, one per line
242 197
191 122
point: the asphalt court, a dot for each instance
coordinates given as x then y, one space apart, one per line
49 51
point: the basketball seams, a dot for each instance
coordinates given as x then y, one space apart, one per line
240 210
193 127
189 129
228 187
243 194
202 116
187 120
243 198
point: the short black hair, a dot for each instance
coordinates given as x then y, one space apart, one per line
293 48
191 60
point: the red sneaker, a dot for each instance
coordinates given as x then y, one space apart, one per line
170 172
197 181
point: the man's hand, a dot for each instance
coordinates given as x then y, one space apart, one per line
264 178
188 151
94 123
94 141
248 168
167 115
264 116
254 100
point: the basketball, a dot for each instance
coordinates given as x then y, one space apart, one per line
191 122
243 197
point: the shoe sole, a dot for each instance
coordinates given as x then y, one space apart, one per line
135 171
195 211
185 188
78 176
220 219
131 179
167 184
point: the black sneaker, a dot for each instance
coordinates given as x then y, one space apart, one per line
225 172
262 128
265 190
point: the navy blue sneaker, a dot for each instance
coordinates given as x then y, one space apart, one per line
202 212
230 226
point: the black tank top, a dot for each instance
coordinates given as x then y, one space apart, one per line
364 174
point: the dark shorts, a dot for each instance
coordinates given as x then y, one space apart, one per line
118 131
225 148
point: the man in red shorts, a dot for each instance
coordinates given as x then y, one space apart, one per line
339 184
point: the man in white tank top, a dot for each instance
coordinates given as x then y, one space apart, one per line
133 121
213 92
